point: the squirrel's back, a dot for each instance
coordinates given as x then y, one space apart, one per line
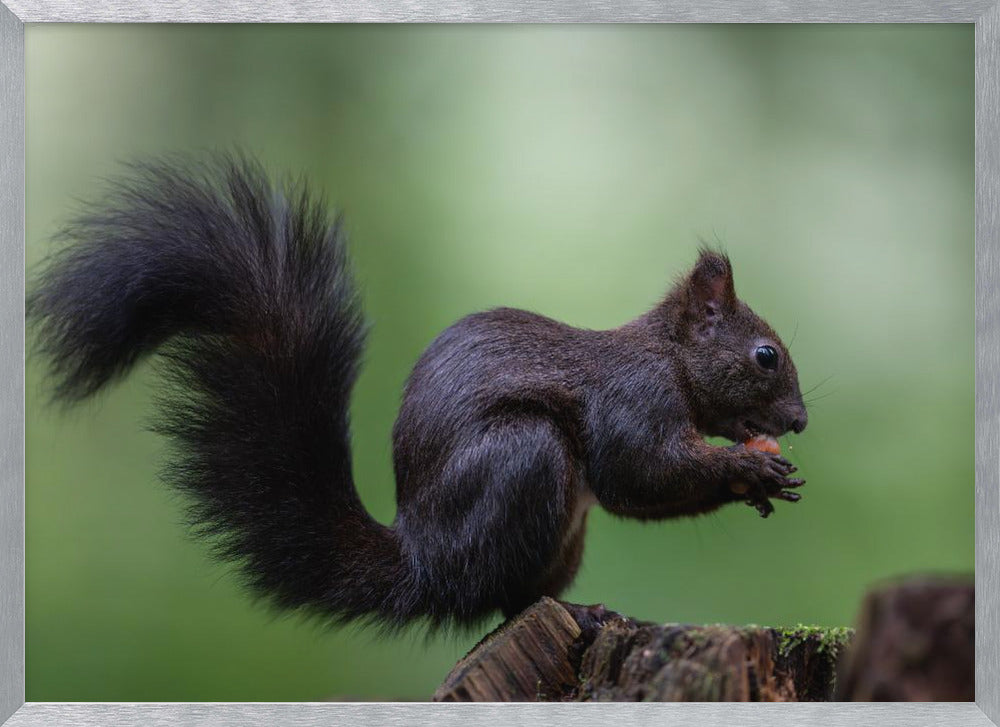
485 366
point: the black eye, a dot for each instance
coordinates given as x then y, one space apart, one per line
767 357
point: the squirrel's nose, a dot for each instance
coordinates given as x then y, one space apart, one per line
799 423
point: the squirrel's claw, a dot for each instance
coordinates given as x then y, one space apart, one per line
764 507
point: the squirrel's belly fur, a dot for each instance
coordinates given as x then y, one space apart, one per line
512 425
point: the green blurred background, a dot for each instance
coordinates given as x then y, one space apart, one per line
570 171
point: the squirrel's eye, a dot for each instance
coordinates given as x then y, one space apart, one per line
767 357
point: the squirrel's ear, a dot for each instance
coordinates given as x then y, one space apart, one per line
710 292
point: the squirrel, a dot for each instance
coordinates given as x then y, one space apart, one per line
511 426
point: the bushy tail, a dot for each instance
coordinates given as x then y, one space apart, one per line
246 291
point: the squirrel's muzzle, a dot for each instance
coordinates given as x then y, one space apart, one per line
799 419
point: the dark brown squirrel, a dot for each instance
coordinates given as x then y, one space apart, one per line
511 426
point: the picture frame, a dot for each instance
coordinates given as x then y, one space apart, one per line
984 14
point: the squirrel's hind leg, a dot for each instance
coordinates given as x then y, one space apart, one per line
494 534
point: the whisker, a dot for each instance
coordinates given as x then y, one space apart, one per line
818 398
794 334
806 393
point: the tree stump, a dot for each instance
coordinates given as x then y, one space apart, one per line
565 652
915 641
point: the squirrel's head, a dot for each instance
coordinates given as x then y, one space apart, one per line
741 380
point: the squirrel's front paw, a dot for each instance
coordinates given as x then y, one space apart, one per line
766 476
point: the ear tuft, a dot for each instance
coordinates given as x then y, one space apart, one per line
710 291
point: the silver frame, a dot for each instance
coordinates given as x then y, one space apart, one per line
986 16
